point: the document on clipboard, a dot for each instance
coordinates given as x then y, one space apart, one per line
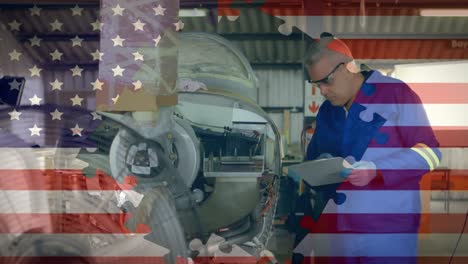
319 172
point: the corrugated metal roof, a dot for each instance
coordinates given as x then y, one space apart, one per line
399 26
256 33
51 40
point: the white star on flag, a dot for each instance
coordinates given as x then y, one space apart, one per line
76 71
76 100
76 41
35 41
56 85
118 41
64 83
56 25
14 25
76 130
76 11
35 100
156 40
35 130
138 56
97 55
114 99
159 10
35 11
56 55
35 71
179 25
97 85
139 25
118 10
97 25
129 56
137 85
14 114
118 71
56 115
15 85
14 55
96 116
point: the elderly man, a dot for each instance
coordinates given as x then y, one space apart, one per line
378 124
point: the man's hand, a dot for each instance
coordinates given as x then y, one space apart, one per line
360 173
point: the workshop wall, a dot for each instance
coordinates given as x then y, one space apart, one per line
282 89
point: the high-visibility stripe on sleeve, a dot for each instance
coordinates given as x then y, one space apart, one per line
427 154
431 153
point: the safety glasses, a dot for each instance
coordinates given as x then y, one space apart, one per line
328 79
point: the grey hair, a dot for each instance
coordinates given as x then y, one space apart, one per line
318 50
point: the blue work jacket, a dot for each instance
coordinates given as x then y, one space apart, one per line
387 125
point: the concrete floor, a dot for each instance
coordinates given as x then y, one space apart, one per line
281 244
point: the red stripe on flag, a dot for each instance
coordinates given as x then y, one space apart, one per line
429 93
441 93
70 224
132 260
348 8
396 260
58 180
447 136
451 136
436 180
423 49
338 8
438 223
72 180
230 259
86 259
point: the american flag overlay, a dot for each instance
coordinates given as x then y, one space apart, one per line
382 232
141 50
59 65
63 65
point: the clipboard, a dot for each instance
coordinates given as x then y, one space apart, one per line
319 172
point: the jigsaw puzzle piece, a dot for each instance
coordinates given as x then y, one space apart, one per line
367 115
321 197
290 22
226 9
156 216
368 89
307 19
311 205
311 26
214 251
381 138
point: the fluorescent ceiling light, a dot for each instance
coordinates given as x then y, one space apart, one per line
193 12
444 12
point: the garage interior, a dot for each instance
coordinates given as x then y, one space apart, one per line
424 43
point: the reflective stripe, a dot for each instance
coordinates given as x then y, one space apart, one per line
424 153
428 160
431 152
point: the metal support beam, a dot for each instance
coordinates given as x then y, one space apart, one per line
58 37
269 65
52 3
261 36
67 66
280 109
